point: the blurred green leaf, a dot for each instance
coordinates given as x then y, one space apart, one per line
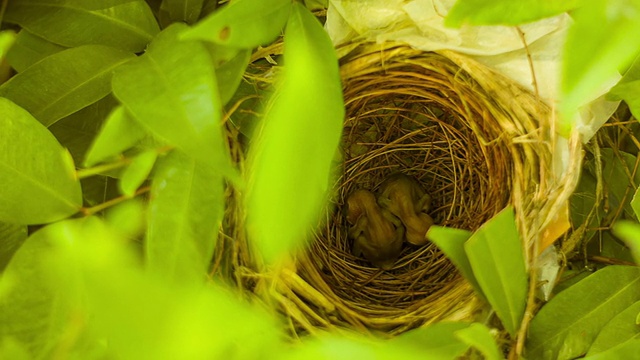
451 242
185 213
497 259
620 329
77 131
290 161
627 350
35 313
12 349
29 49
630 233
594 53
137 172
243 23
11 238
65 82
127 218
505 12
125 24
38 184
183 10
628 87
479 337
568 324
230 74
119 133
172 91
436 341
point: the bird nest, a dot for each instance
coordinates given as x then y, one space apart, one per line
474 140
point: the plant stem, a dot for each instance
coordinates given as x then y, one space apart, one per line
85 173
105 205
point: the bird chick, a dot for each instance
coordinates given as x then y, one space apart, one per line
403 197
376 233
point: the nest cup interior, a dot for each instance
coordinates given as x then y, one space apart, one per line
422 116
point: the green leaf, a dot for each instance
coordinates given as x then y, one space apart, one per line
290 162
451 242
626 350
171 90
29 49
119 133
137 172
243 23
505 12
185 213
497 259
584 207
628 87
34 312
567 325
38 183
438 341
230 74
125 24
479 337
630 233
593 54
11 238
77 131
618 170
635 203
74 78
183 10
620 329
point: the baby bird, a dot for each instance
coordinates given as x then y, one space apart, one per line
403 196
377 234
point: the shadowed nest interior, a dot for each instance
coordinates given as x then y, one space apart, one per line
474 140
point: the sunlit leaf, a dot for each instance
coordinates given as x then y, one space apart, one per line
171 90
436 341
627 350
630 233
35 312
183 10
568 324
291 158
29 49
11 238
74 78
127 218
125 24
620 329
594 53
451 242
505 12
143 316
243 23
38 183
119 133
77 131
628 87
137 172
479 337
185 212
497 259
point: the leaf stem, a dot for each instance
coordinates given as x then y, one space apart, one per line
97 170
105 205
